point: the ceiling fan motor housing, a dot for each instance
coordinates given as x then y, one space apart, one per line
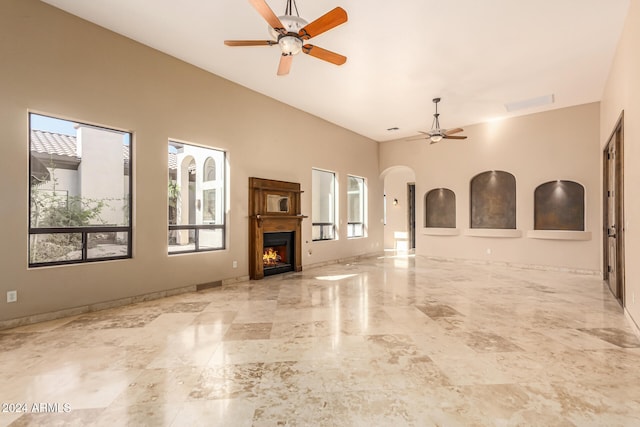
290 43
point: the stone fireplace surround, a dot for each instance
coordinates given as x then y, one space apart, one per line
274 206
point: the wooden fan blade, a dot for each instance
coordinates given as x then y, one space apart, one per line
324 54
250 42
285 65
454 137
425 133
329 20
452 131
265 11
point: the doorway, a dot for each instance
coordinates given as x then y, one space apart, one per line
397 228
613 213
411 210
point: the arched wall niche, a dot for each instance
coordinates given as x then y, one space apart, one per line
440 208
559 205
493 200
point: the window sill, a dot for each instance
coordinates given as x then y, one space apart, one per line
437 231
492 232
559 235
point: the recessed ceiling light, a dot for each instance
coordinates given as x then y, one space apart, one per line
529 103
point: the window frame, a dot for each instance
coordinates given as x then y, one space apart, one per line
352 225
84 231
323 226
223 200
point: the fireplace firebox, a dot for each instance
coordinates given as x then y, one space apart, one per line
277 253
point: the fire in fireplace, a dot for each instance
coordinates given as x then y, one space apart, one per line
270 257
277 255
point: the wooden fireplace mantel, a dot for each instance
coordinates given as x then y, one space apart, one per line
274 206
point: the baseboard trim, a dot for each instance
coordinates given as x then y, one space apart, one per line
632 323
75 311
586 272
342 260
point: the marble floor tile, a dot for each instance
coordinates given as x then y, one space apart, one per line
488 342
399 340
248 331
219 412
76 418
240 352
228 382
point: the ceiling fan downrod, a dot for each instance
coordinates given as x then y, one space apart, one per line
291 4
436 123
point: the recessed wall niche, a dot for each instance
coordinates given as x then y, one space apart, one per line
493 200
559 205
440 208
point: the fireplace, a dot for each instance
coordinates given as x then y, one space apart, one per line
278 250
274 227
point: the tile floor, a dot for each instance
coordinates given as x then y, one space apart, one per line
383 342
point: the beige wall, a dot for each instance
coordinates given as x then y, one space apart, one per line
622 92
57 64
560 144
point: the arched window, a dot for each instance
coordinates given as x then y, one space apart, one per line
440 208
493 200
209 170
559 205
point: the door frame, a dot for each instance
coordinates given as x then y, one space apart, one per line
617 138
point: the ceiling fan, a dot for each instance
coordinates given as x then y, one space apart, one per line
291 32
437 134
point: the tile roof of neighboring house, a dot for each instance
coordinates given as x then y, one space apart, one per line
65 145
53 143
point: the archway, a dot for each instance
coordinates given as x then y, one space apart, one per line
400 208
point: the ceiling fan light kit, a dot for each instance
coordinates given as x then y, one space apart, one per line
290 45
290 32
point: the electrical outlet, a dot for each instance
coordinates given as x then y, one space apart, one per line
12 296
235 264
488 251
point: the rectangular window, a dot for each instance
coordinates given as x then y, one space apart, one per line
196 198
323 205
355 207
80 192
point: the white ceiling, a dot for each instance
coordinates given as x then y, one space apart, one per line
476 55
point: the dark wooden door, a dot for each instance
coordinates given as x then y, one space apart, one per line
612 237
613 213
411 193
